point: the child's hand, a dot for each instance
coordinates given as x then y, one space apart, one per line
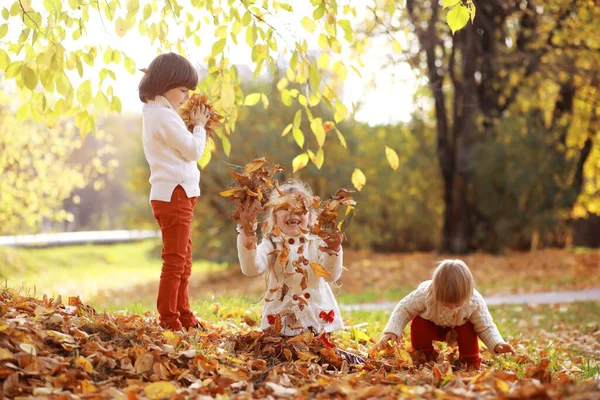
504 348
388 337
249 211
334 241
200 115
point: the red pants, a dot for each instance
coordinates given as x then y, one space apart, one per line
175 221
423 332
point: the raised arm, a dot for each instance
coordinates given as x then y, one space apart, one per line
253 261
175 134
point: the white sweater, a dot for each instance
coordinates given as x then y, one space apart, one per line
171 150
320 297
421 303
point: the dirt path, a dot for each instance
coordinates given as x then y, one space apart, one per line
525 298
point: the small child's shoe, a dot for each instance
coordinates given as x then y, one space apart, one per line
198 326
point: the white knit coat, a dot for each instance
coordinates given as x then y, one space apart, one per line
171 150
420 302
320 297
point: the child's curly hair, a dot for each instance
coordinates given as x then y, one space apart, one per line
289 188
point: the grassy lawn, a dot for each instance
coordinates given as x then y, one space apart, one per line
90 271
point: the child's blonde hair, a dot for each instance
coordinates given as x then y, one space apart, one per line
290 187
452 282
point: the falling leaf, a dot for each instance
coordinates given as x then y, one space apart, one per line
358 179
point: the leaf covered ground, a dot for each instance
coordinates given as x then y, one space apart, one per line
68 350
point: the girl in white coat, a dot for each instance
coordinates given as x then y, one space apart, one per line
299 266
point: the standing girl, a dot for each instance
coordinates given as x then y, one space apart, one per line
298 296
447 302
172 153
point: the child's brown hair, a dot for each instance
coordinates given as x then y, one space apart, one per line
452 282
167 71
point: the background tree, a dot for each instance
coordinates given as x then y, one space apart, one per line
528 59
35 174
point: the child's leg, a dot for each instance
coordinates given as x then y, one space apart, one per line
175 220
186 316
468 345
423 332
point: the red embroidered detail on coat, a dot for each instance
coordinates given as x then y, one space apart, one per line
327 316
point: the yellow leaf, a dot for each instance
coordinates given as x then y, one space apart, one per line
501 386
319 270
316 125
28 348
450 3
340 69
120 26
287 129
299 162
309 24
5 354
298 119
298 137
323 42
84 364
169 337
341 138
360 335
457 17
254 165
227 96
29 77
227 193
320 158
392 158
218 47
323 61
87 386
358 179
402 354
159 390
340 112
307 356
252 99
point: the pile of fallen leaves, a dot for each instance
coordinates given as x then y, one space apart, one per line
48 348
215 121
255 181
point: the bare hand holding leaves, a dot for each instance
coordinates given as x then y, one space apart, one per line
186 111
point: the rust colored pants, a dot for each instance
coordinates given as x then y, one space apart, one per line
175 221
423 332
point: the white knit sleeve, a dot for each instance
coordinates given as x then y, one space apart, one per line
332 263
253 261
409 307
484 324
175 134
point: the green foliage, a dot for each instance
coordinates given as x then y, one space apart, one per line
36 173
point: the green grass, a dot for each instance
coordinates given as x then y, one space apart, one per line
372 296
85 270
